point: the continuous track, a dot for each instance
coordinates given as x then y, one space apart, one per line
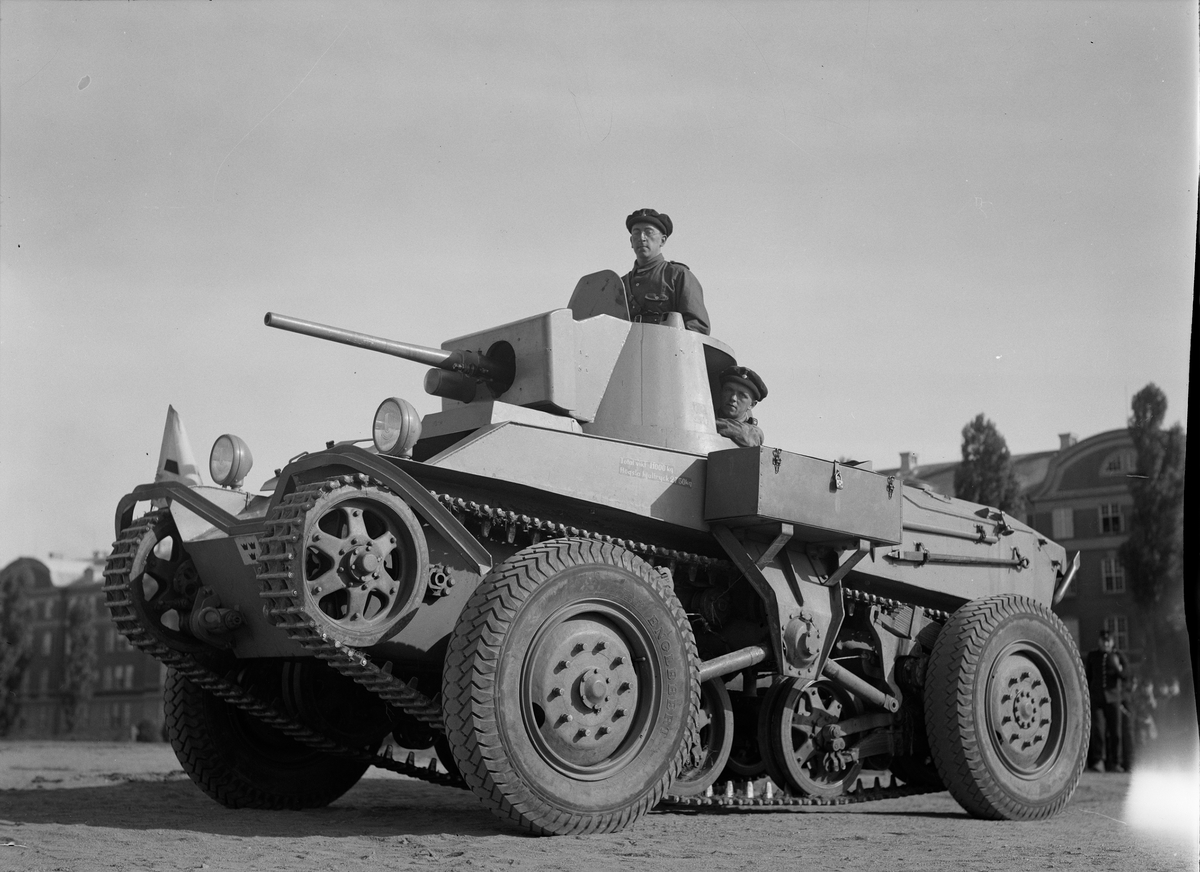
284 605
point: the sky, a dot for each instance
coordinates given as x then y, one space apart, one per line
902 214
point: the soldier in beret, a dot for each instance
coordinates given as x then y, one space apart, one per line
741 389
657 286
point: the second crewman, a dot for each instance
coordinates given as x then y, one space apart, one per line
741 390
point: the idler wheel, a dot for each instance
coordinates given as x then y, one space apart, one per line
163 583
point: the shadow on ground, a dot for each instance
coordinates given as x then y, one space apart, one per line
373 807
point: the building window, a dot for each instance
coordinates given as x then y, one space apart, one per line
1112 575
106 678
129 676
1118 625
1111 519
1063 524
44 682
1119 463
47 643
119 714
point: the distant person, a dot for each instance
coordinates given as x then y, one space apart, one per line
1143 705
656 286
1105 670
741 391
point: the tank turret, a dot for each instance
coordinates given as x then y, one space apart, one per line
644 383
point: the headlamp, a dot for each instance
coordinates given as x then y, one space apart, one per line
396 427
230 461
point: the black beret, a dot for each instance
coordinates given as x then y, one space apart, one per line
661 220
745 376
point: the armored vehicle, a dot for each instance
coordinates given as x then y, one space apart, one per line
587 602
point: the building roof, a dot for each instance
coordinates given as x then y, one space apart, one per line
1030 471
59 571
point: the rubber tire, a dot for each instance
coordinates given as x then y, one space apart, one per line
243 763
745 761
491 660
982 642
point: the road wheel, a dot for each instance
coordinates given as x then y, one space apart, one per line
715 741
243 763
1005 709
745 757
794 712
570 689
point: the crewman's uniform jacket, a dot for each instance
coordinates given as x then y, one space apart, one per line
663 286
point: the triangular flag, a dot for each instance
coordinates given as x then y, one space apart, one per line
175 460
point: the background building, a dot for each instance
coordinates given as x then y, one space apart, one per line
1079 496
127 685
1083 503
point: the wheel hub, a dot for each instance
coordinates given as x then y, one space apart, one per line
585 688
363 563
1021 711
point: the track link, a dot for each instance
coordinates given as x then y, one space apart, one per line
765 799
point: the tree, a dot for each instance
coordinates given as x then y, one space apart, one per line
79 678
986 474
1153 553
16 645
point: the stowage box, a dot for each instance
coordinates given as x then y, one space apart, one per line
823 499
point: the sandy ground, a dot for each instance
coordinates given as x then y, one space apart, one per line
81 806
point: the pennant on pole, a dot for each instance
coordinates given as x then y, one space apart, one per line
175 460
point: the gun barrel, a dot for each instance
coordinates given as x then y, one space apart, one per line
432 356
467 362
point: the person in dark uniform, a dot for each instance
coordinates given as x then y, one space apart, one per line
741 390
1105 670
656 286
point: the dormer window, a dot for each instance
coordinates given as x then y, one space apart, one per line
1120 462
